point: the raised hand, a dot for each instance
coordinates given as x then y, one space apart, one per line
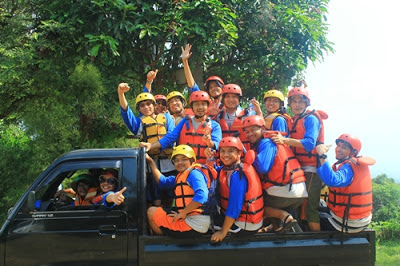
213 108
123 87
186 54
151 75
256 106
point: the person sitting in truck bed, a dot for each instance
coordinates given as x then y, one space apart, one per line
191 191
108 194
282 178
350 188
305 133
241 198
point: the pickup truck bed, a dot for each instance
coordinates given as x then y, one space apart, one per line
309 248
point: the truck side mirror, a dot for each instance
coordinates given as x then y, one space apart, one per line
30 203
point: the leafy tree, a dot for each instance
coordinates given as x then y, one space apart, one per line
257 44
386 199
61 61
276 41
14 164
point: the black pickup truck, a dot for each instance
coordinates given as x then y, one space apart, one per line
40 232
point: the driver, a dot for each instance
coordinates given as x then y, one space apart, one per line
85 188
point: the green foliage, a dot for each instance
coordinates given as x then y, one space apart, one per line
388 253
386 210
276 41
386 231
386 199
16 169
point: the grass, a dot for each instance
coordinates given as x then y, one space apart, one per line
388 253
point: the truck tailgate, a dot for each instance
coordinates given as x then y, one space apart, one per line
322 248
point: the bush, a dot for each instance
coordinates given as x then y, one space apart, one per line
386 199
385 231
16 169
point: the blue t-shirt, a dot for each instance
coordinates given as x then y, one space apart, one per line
266 152
237 190
341 178
280 124
312 127
194 88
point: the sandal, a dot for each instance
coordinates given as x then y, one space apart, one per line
285 226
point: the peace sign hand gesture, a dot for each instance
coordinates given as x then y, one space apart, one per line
207 137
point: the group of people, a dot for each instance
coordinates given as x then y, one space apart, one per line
93 189
268 168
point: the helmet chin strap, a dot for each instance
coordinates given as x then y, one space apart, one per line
199 116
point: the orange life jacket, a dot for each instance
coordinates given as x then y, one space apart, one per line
253 205
297 131
236 129
194 138
286 169
269 119
184 192
87 200
355 200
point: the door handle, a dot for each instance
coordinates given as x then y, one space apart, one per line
107 229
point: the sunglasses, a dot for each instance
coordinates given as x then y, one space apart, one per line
110 181
162 102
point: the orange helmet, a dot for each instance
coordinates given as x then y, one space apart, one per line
232 88
214 78
253 120
299 91
353 141
199 96
160 97
231 142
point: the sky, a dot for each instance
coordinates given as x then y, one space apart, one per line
357 85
